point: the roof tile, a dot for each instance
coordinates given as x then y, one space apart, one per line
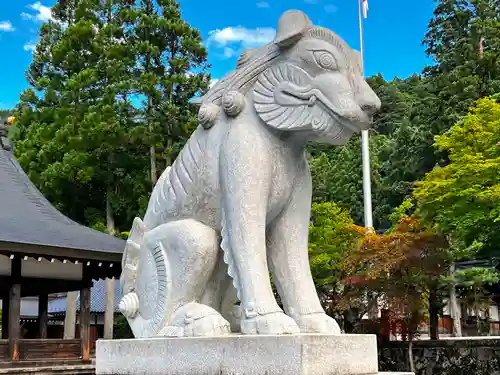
27 217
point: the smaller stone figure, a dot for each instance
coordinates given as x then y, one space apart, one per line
5 143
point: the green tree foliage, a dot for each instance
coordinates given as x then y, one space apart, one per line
463 38
472 286
464 41
170 70
121 328
462 198
4 113
330 240
337 176
400 153
84 136
73 145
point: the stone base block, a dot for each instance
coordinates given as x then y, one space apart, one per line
240 355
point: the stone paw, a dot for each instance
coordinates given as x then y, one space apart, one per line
269 324
196 319
318 323
211 325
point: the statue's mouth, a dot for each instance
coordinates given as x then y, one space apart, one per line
313 95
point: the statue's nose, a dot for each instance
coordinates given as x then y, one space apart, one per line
368 101
370 108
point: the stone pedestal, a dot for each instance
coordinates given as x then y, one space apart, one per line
240 355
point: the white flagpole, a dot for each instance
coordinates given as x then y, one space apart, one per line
365 148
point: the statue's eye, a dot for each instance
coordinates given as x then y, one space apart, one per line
325 60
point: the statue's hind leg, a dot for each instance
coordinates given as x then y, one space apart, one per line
220 294
177 260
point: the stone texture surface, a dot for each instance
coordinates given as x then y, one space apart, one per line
235 204
240 354
447 356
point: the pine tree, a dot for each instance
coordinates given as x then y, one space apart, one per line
83 139
74 133
463 38
171 70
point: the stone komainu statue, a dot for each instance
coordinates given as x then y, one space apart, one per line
5 143
235 204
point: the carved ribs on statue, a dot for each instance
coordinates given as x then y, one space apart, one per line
235 204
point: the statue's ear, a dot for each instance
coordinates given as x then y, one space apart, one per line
358 61
291 26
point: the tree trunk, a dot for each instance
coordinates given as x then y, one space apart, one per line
110 217
168 157
433 315
410 355
152 150
454 308
372 307
385 326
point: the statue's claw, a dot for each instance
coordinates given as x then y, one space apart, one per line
270 324
195 319
318 323
212 325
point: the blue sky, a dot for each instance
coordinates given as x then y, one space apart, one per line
392 33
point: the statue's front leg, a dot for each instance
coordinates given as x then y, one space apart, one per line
289 261
245 183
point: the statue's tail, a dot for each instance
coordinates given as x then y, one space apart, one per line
156 200
130 258
144 261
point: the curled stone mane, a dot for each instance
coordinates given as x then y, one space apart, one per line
228 94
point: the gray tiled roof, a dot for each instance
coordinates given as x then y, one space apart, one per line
97 299
29 308
27 217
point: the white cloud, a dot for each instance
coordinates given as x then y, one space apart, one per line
330 8
239 34
6 26
30 46
233 40
262 4
43 13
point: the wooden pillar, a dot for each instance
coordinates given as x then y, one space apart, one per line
433 314
85 322
109 309
43 315
5 314
385 325
15 309
70 317
85 316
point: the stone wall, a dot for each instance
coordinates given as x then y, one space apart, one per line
457 356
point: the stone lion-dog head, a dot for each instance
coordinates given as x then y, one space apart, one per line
306 80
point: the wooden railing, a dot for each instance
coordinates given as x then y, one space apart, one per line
43 349
4 350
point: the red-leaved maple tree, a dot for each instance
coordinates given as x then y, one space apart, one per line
401 268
